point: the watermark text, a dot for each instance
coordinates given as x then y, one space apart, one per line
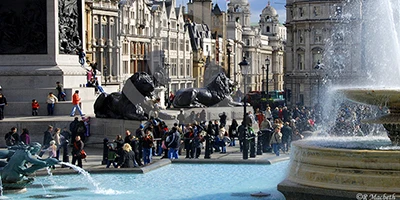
374 196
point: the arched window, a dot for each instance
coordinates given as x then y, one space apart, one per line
268 29
317 53
300 59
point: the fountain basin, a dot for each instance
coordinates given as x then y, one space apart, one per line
380 97
340 172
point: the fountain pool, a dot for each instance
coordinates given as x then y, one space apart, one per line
175 181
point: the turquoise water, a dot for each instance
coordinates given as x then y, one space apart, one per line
175 181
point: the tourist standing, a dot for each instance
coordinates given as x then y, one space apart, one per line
112 156
3 103
76 101
81 56
25 138
233 132
181 119
65 138
12 137
139 135
76 151
188 141
134 142
148 140
276 140
173 142
35 107
60 91
51 101
46 139
286 136
73 127
57 139
222 119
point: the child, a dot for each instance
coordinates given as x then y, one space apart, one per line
35 107
52 151
112 156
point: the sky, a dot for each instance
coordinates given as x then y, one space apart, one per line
256 7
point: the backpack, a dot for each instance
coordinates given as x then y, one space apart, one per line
10 141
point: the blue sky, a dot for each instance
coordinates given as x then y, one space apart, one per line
256 7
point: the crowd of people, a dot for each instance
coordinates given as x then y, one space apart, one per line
56 141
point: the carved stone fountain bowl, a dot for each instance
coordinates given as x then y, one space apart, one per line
387 97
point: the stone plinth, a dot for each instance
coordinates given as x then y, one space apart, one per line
30 66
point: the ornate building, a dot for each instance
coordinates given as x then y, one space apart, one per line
257 43
139 35
310 28
101 34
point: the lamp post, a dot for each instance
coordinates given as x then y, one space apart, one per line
167 80
245 68
262 78
228 51
267 63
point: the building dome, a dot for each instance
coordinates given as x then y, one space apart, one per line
269 10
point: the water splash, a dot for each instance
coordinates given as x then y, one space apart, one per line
95 184
84 173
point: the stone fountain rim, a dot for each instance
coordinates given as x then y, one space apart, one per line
305 144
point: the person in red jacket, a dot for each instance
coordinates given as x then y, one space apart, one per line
76 100
35 107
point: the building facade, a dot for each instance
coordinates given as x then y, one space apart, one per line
311 29
140 35
257 44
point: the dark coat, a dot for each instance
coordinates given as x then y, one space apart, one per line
76 148
127 160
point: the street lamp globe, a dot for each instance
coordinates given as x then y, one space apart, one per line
267 61
244 66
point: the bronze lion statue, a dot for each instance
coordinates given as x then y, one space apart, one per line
216 92
133 103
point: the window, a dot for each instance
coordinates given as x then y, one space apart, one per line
104 31
317 36
300 36
316 11
125 64
125 48
187 67
173 25
164 43
182 45
300 61
181 66
173 44
187 45
317 55
173 67
301 12
268 29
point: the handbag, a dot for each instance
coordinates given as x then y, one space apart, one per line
83 154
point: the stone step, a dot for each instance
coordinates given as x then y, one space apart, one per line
61 108
40 94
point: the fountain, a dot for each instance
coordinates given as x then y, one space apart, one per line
21 162
356 167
